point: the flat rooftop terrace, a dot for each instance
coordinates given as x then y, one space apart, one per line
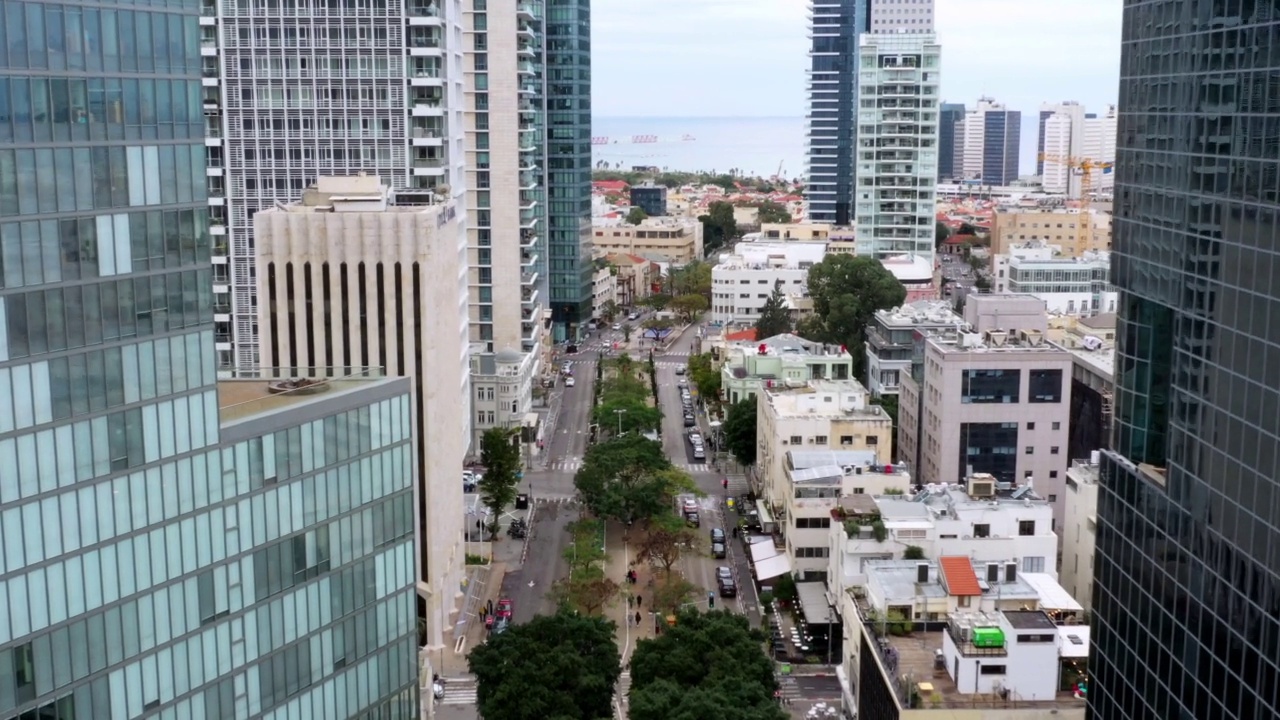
915 653
242 398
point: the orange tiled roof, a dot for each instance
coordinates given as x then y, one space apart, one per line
958 575
748 334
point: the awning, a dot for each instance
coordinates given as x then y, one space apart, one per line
813 602
762 509
763 549
1052 595
771 568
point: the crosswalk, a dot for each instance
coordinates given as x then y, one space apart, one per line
573 464
460 691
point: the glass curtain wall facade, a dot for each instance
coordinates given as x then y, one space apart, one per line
833 99
153 563
568 162
1186 606
1002 141
951 115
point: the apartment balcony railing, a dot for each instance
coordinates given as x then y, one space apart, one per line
528 218
425 41
524 67
421 9
528 143
426 71
528 239
432 162
528 259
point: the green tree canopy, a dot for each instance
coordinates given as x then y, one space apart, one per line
847 290
740 430
626 478
500 456
690 305
657 301
771 212
692 279
557 667
665 540
775 318
609 309
636 215
719 229
940 234
586 589
705 377
636 415
710 665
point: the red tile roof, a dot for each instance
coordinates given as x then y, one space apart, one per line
958 575
610 185
748 334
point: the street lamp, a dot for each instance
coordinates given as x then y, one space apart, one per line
620 412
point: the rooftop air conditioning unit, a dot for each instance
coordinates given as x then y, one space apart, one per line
996 338
982 487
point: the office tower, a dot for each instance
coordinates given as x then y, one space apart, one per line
1100 146
833 88
950 125
895 17
1186 603
1074 112
567 159
170 545
992 135
297 89
897 169
348 279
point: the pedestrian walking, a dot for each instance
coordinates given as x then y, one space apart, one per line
637 618
639 600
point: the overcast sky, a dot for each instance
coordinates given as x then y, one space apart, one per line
701 58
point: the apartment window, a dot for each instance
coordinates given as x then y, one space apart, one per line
796 439
1045 386
1057 426
1031 426
990 386
1053 498
1053 450
1033 564
24 673
812 553
846 439
993 670
1053 474
813 523
1027 528
981 530
1030 450
820 439
873 440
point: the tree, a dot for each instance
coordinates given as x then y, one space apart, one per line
657 301
672 591
636 415
847 290
913 552
636 215
690 306
556 666
657 324
624 479
609 309
626 332
710 665
774 318
966 229
719 229
692 279
665 541
940 234
772 212
586 589
501 459
705 377
740 430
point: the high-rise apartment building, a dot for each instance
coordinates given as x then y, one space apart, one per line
296 89
506 165
1186 600
835 26
992 136
897 163
348 279
1100 146
950 126
170 545
1067 131
1074 113
567 159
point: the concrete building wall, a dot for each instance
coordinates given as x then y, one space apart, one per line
1058 228
380 289
1079 531
677 240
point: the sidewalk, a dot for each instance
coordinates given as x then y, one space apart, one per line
484 582
621 558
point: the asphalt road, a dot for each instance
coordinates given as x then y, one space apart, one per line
528 586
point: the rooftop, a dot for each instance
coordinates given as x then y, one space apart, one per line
899 584
274 389
921 312
822 399
994 341
937 499
765 256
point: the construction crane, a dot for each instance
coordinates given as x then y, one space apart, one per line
1084 167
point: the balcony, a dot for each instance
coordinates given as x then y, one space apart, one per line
528 239
423 13
423 42
528 142
524 67
528 180
527 49
427 135
527 279
429 166
526 11
529 218
529 297
525 31
528 200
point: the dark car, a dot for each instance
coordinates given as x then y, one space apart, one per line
692 519
717 535
728 588
689 420
680 370
718 550
699 453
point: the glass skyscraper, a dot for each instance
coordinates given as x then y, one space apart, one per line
568 151
833 97
170 546
1187 573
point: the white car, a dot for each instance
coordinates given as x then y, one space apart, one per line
568 382
617 326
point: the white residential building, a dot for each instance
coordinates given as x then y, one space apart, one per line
997 401
604 284
896 165
890 337
1080 529
502 394
506 237
1061 136
293 92
983 520
347 279
1100 145
1011 643
1069 286
990 138
888 16
743 281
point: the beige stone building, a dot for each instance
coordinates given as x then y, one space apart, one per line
676 240
1059 228
347 280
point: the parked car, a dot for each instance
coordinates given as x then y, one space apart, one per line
718 551
717 535
728 588
617 326
569 382
505 608
680 370
502 624
724 572
693 519
689 420
470 480
699 453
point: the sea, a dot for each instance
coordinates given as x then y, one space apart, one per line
755 146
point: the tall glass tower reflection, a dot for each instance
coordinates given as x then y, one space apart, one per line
1187 572
170 546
